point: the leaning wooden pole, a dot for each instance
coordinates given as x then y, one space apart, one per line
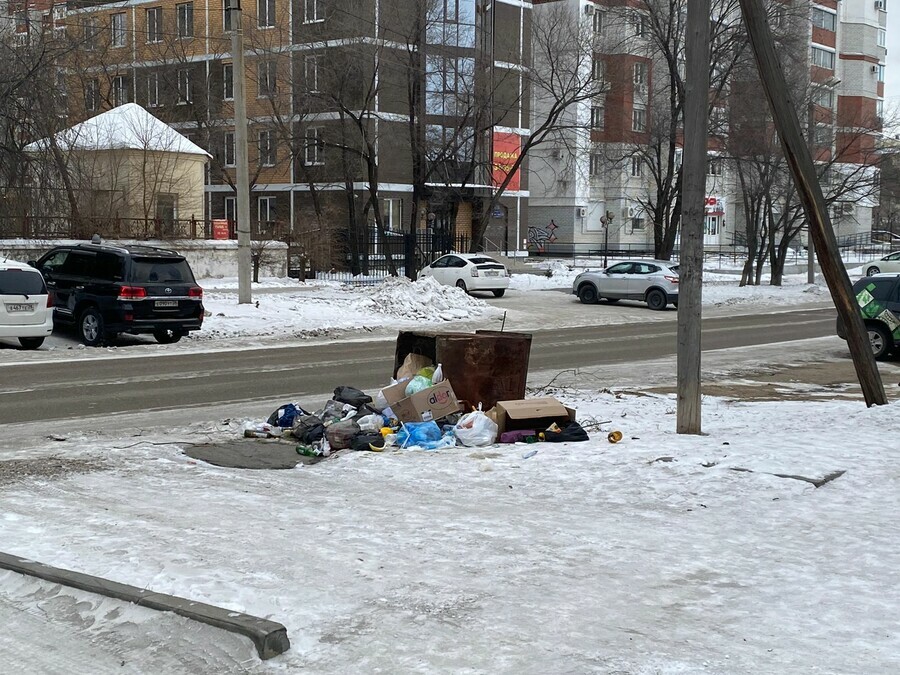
800 160
693 193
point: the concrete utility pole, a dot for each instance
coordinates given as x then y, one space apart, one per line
240 151
800 160
693 199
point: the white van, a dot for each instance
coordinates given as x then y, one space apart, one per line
26 308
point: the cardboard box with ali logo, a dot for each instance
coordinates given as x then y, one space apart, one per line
427 405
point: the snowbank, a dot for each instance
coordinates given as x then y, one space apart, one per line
423 300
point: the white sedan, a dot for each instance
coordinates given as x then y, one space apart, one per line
470 272
889 263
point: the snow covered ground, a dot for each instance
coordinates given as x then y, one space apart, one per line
660 554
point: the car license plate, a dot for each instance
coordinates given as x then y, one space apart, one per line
491 273
19 307
165 304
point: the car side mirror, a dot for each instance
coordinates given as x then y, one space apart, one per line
33 263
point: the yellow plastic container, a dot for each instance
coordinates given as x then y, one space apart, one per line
614 436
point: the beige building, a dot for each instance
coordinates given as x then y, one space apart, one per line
128 166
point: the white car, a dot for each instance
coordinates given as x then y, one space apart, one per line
470 272
652 281
26 307
889 263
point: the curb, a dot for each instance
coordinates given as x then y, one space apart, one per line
269 638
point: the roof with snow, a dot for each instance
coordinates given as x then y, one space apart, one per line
127 127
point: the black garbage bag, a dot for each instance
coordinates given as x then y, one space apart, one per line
568 433
308 429
367 442
352 395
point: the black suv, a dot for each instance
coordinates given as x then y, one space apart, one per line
106 290
878 298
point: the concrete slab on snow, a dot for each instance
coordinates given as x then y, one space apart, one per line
269 638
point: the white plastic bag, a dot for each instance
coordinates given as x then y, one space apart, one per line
438 375
370 423
476 429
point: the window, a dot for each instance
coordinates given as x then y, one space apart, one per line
639 120
637 167
598 116
822 58
711 226
266 209
313 146
265 13
599 22
91 95
641 24
823 135
90 31
879 70
596 164
109 267
824 96
154 24
311 73
117 29
185 93
637 225
882 37
185 15
266 146
779 15
640 76
313 10
228 81
167 208
714 167
879 109
621 268
266 71
393 214
597 69
120 90
226 14
229 148
823 19
231 209
152 89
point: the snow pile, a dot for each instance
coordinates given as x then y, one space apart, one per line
712 553
422 300
729 294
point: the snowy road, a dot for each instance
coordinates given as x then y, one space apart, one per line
102 382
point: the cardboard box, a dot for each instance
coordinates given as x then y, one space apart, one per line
530 413
427 405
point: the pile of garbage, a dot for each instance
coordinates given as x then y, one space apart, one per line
417 410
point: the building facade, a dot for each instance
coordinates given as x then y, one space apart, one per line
363 114
622 154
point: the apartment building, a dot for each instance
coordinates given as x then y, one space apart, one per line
349 101
607 165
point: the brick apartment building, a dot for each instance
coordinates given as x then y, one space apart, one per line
844 65
331 89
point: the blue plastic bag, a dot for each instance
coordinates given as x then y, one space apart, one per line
425 435
285 415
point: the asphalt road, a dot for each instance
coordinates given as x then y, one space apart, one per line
37 391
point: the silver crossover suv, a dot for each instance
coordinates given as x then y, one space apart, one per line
652 281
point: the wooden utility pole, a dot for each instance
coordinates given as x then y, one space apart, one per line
242 169
800 160
693 198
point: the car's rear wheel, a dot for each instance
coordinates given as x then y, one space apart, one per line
880 341
872 271
90 326
460 284
31 342
499 292
167 336
656 299
587 294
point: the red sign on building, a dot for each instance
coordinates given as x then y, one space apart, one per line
221 228
507 148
